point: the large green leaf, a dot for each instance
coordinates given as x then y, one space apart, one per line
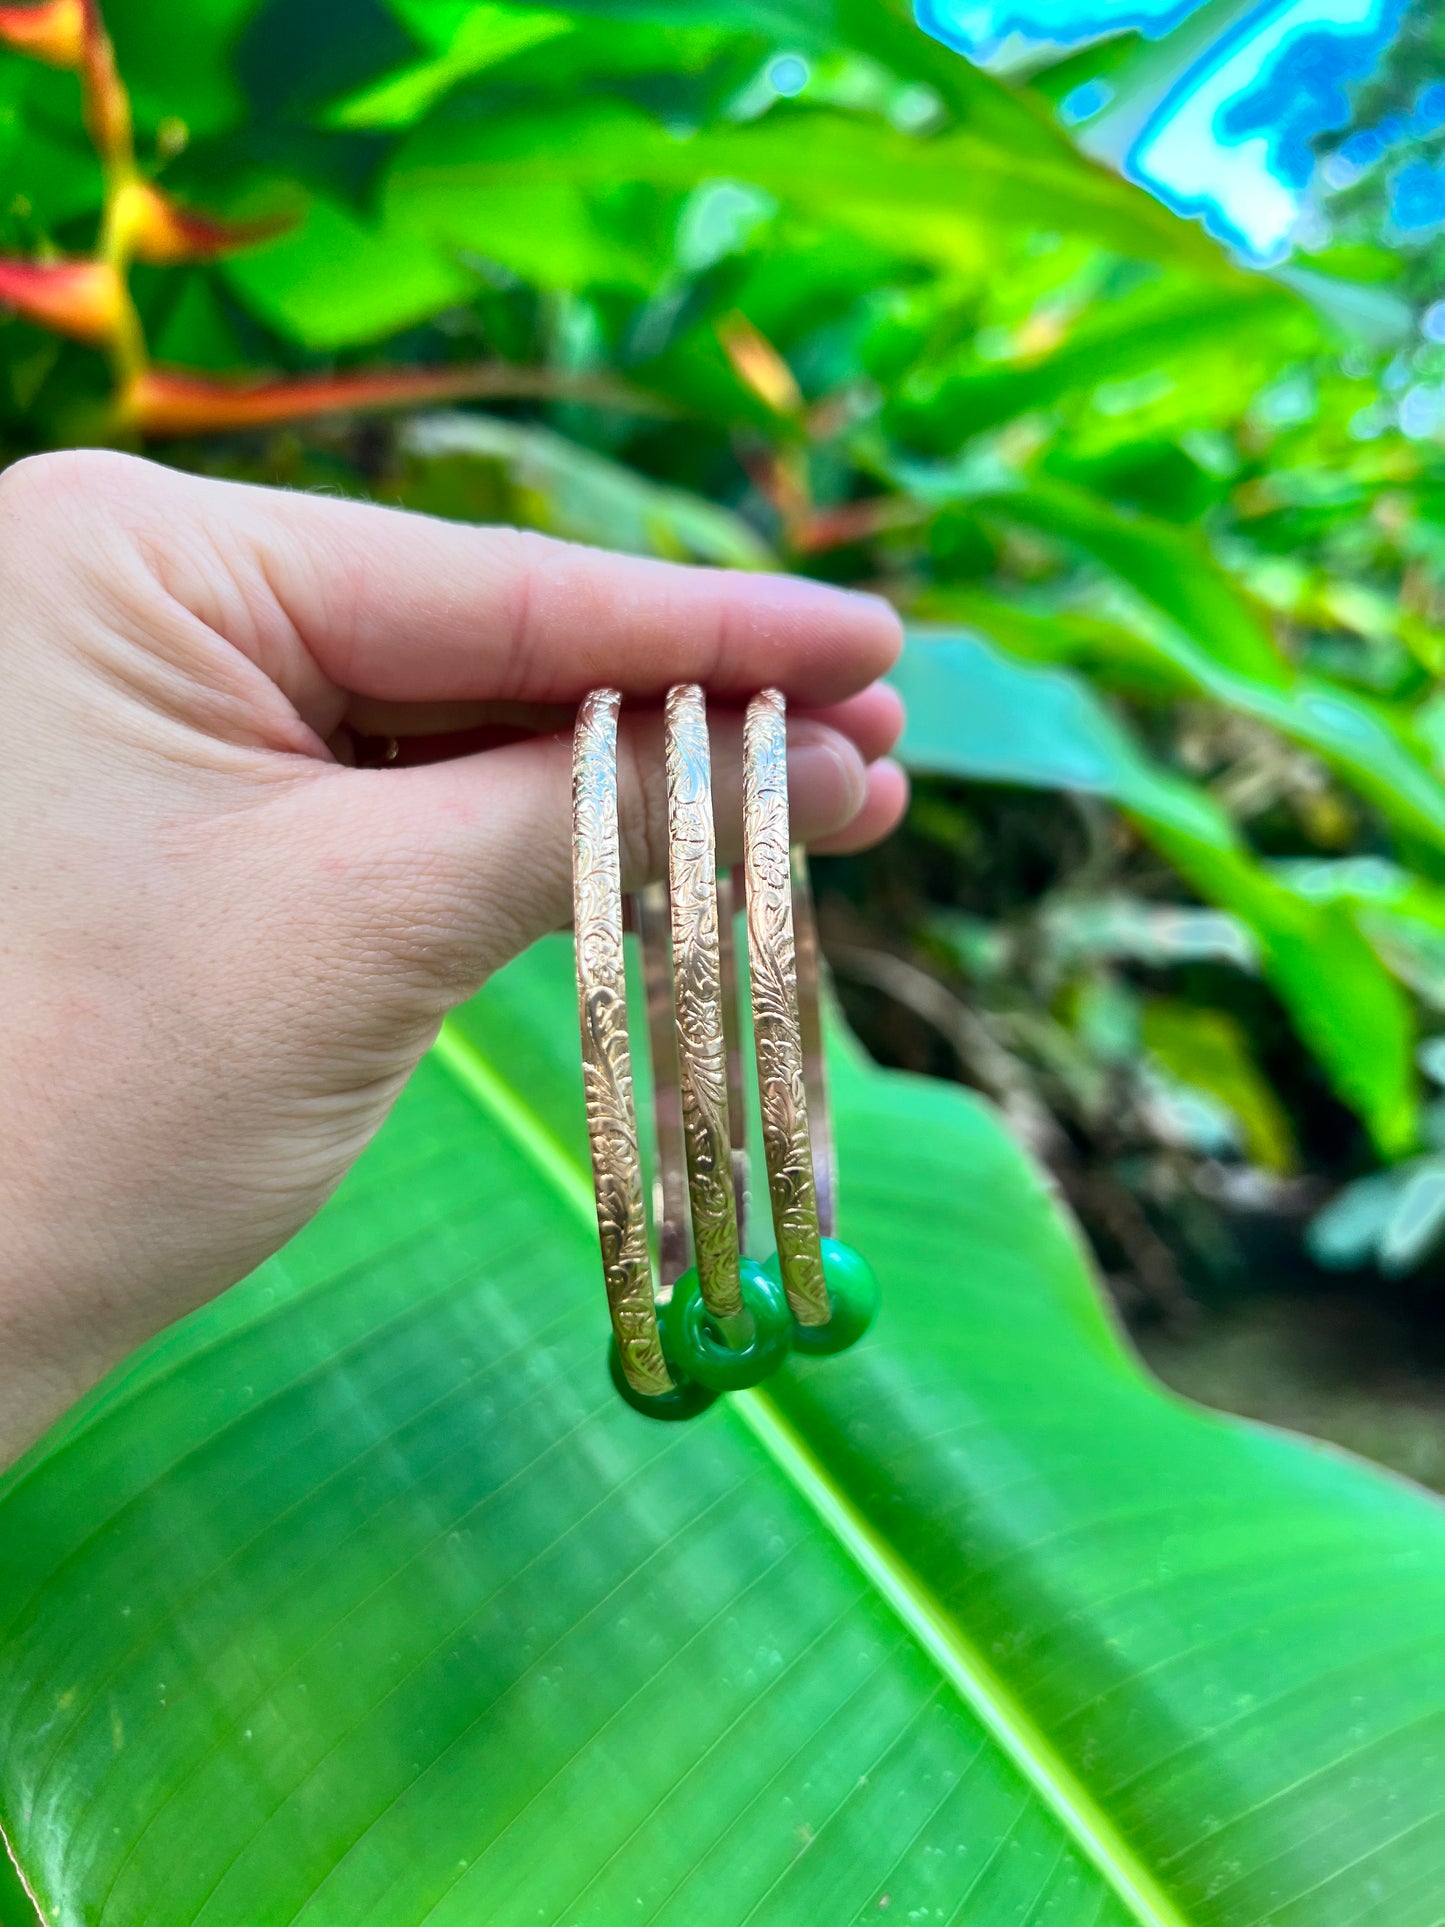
488 182
360 1598
379 276
931 198
978 713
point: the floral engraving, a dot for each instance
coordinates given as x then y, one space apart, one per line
698 993
606 1054
777 1029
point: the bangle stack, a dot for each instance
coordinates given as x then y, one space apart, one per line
707 1319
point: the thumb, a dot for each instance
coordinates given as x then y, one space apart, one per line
456 866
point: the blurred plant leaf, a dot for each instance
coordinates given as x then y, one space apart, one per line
465 40
1401 914
1417 1219
1392 1219
1171 568
180 68
293 61
1217 646
932 198
1150 329
573 492
976 713
1134 930
336 281
339 281
1208 1050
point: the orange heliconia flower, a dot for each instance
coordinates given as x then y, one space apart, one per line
53 32
154 228
85 299
106 102
173 401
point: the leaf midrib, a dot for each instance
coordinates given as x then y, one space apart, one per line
894 1582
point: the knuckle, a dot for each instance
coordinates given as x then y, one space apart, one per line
62 477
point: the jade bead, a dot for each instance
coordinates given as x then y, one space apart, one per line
853 1300
696 1346
686 1399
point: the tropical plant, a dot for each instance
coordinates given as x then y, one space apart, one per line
89 298
358 1596
362 1597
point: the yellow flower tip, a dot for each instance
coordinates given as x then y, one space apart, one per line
53 32
152 227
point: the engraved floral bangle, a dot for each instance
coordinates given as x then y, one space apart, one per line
639 1367
830 1286
652 924
726 1322
606 1052
810 1019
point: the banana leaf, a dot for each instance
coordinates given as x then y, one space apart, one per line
360 1598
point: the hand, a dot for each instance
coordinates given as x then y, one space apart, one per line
222 948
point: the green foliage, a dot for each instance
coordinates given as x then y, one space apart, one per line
1027 397
360 1595
1207 1052
976 712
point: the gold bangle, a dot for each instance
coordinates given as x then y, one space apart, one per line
734 1321
698 995
606 1054
777 1024
650 920
731 894
815 1071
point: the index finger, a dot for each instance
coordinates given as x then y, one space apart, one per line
406 608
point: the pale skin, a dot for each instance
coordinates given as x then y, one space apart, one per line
223 948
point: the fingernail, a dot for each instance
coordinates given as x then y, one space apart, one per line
827 780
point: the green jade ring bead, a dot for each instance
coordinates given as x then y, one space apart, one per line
697 1347
853 1299
686 1399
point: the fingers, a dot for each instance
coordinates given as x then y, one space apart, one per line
436 612
872 720
881 812
405 608
466 862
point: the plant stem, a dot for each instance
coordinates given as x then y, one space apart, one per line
109 123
